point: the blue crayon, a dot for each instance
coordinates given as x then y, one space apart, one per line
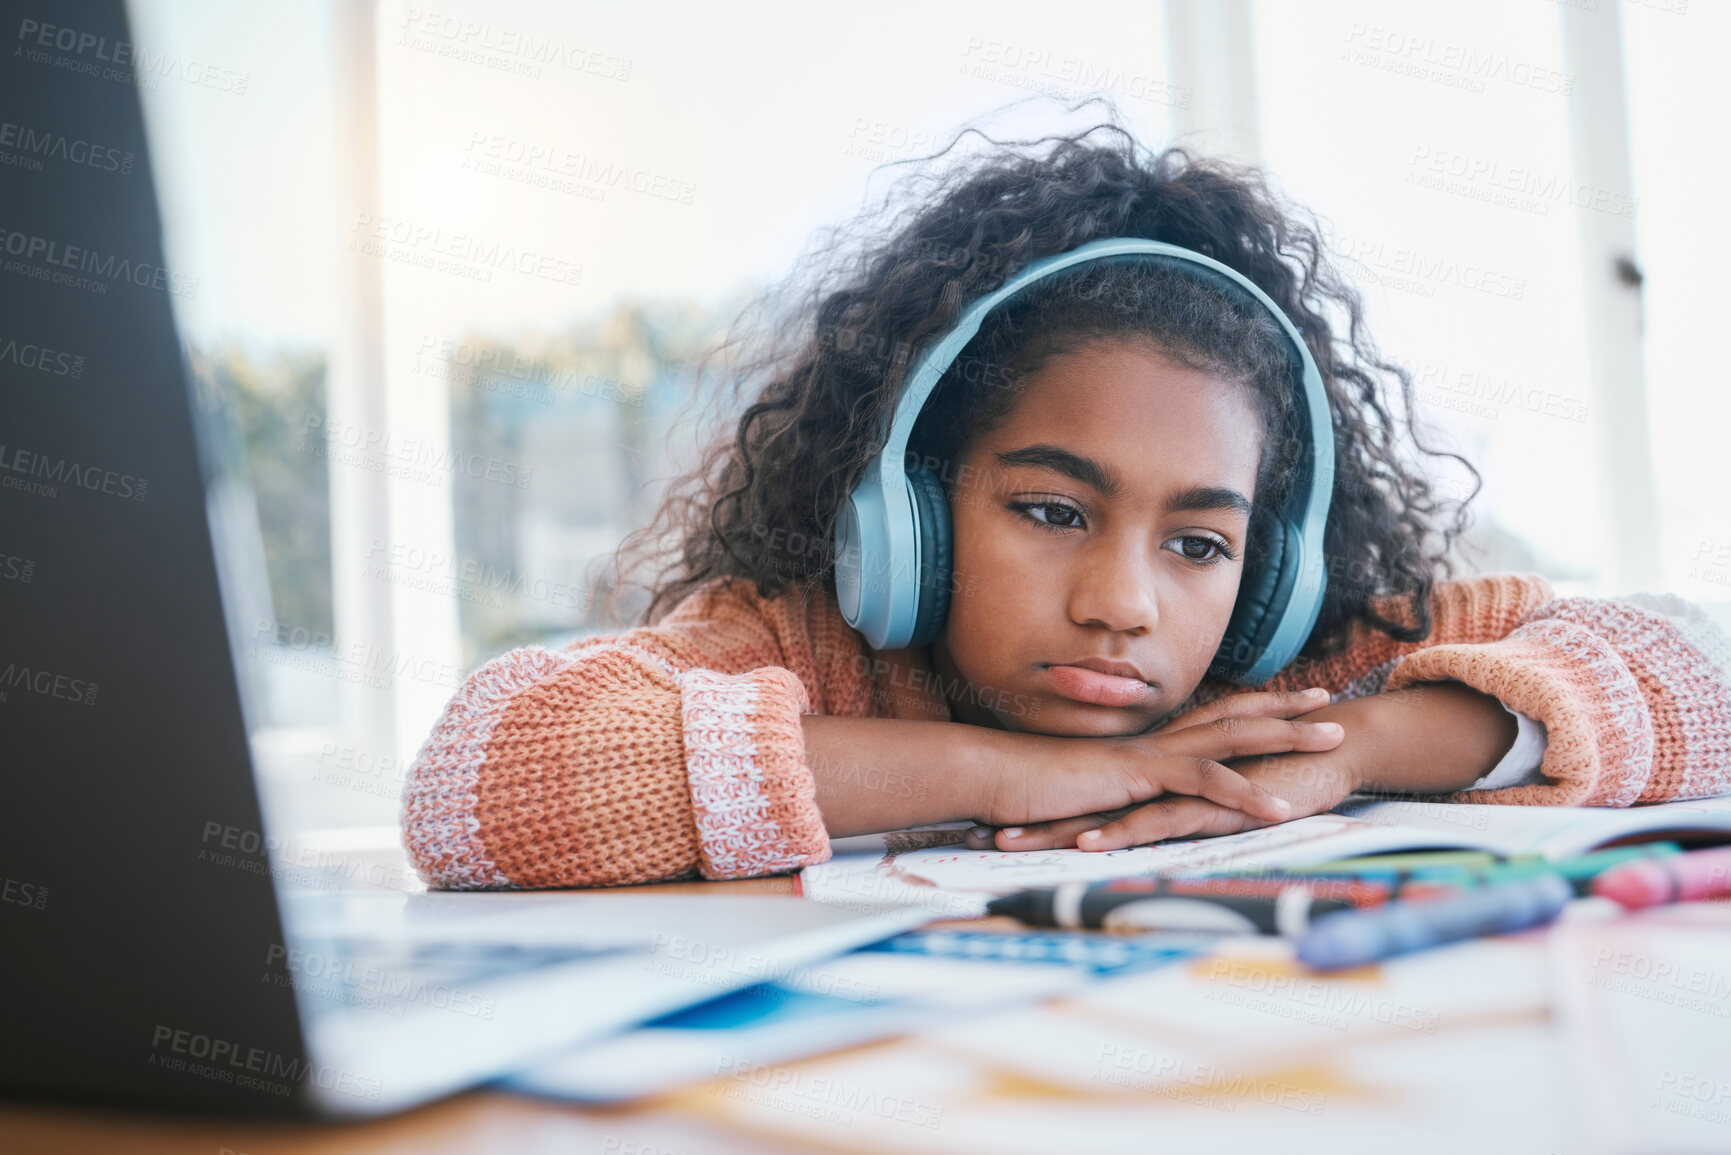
1349 938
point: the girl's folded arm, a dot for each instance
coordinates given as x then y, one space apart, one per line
663 752
1634 694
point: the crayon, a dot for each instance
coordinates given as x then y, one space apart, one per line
1580 870
1351 938
1418 881
1210 905
1688 877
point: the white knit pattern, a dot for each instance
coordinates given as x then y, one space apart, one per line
440 829
1626 739
729 793
1705 654
1690 620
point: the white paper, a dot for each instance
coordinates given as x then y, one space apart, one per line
957 883
953 882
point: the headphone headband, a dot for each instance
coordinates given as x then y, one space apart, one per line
879 568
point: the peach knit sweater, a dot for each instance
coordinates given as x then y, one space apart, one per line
677 749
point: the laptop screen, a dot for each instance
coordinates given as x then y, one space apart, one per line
138 910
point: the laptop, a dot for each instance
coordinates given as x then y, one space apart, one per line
151 952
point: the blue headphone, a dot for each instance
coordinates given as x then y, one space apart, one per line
892 536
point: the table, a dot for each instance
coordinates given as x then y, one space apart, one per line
1240 1053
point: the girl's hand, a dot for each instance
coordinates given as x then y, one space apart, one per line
874 774
1425 739
1186 757
1311 783
1256 704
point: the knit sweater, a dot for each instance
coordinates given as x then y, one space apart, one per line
677 749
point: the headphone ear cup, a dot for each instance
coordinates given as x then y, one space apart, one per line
932 512
1271 565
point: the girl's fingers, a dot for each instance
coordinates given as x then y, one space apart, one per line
1256 704
981 838
1051 835
1235 737
1208 779
1189 762
1175 817
1165 818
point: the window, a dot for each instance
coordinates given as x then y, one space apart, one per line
453 287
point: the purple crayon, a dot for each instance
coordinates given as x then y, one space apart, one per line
1349 938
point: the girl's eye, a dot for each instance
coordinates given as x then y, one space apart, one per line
1057 514
1200 549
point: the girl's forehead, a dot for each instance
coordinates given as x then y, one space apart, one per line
1130 405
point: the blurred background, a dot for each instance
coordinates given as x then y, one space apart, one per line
456 266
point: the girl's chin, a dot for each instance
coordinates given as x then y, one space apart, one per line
1062 718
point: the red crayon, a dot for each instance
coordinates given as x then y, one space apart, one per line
1679 878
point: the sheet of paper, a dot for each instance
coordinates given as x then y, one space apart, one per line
880 996
1553 831
1237 1053
909 983
952 882
957 883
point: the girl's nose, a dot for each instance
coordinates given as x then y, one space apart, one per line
1114 587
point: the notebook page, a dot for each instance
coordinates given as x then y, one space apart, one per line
1551 831
952 882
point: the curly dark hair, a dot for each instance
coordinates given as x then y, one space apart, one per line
822 361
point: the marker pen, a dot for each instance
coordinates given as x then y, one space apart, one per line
1211 905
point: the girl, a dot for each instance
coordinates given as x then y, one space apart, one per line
1111 445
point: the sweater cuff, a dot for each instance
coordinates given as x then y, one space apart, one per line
1599 732
754 799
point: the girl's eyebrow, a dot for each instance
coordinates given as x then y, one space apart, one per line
1195 498
1205 497
1084 469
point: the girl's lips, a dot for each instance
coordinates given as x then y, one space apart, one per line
1080 684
